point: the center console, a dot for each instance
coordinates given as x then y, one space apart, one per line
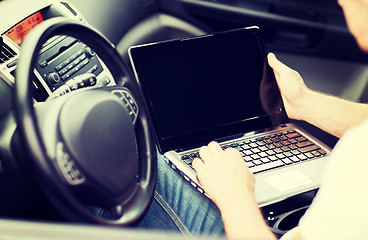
61 57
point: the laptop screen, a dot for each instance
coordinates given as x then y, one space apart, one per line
207 87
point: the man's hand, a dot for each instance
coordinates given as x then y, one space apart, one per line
292 87
224 176
227 180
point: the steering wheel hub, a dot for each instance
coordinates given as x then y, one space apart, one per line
98 132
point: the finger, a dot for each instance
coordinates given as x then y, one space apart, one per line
276 65
215 147
273 61
197 164
204 152
233 152
234 155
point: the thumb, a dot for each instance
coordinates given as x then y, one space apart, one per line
276 64
278 67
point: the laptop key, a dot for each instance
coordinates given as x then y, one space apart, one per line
293 141
293 146
293 134
321 151
270 152
285 148
248 159
255 156
301 139
295 152
309 148
288 154
294 159
278 150
184 157
304 144
268 141
257 162
256 150
253 145
188 161
278 144
316 153
263 154
261 168
263 148
247 141
271 146
245 147
309 155
302 157
239 148
287 161
250 164
248 152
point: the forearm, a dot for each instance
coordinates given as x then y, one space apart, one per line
245 221
331 114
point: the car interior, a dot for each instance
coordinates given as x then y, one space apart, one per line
53 150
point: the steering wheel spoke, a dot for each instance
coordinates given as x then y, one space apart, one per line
128 100
67 166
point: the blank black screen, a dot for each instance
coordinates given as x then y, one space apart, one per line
197 85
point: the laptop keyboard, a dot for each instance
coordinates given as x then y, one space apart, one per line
271 151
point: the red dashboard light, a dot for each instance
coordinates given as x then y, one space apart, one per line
19 31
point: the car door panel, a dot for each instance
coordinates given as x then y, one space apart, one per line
305 27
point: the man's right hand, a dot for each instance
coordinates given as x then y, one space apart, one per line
292 87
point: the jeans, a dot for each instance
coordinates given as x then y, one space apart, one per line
177 206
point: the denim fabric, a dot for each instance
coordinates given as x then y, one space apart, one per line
157 218
189 209
178 207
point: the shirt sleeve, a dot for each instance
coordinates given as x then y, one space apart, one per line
340 209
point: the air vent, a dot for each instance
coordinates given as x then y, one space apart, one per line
6 53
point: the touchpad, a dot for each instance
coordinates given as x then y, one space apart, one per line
288 180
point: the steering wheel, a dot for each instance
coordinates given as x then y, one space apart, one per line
93 146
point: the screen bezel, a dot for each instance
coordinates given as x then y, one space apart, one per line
190 140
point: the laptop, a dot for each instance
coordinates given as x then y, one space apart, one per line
220 87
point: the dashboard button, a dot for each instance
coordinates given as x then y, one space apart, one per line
53 78
89 52
43 64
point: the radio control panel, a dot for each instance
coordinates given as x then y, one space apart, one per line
65 59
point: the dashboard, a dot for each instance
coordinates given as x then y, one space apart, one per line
61 57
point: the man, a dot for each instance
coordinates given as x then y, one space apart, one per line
340 207
339 210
